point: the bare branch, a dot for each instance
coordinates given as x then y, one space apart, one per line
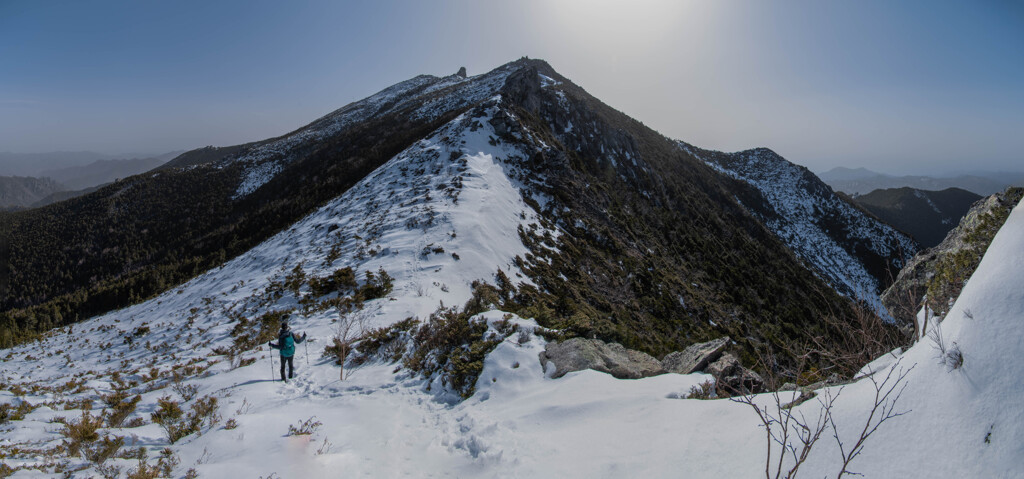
884 407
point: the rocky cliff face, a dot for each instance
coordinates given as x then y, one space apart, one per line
940 272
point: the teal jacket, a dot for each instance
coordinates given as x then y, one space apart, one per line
286 343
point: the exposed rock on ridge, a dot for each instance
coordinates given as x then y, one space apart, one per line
578 354
904 298
695 357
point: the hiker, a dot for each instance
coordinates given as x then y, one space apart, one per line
286 341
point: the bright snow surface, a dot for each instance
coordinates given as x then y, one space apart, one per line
383 422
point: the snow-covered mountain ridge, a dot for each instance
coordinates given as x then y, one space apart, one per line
211 204
856 253
383 422
427 96
637 242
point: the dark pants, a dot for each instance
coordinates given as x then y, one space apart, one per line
291 366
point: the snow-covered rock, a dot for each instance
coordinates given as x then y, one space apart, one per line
731 376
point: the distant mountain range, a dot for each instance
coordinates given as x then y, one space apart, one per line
34 164
53 185
859 181
17 192
104 171
925 215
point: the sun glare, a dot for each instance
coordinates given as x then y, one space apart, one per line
637 23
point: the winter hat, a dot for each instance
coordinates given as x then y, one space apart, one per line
284 326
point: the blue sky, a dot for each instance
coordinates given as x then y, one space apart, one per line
900 87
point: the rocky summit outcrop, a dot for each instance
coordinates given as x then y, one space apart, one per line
695 357
904 297
578 354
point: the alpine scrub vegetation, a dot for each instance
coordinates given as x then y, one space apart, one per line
388 343
304 428
340 281
164 467
449 346
323 293
121 409
81 433
177 424
705 390
250 334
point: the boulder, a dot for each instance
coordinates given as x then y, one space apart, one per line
578 354
695 357
731 376
462 72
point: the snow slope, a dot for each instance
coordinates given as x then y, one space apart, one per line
969 421
441 214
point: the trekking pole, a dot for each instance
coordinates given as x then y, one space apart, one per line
306 345
271 363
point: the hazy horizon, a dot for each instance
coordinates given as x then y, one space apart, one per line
909 88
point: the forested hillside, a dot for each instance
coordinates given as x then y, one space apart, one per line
925 215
